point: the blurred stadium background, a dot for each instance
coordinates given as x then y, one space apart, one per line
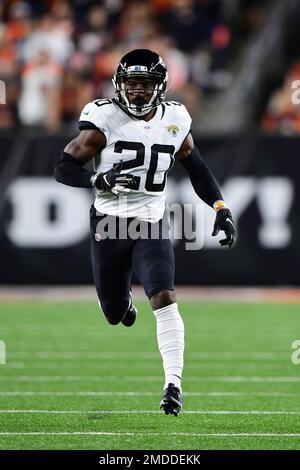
70 380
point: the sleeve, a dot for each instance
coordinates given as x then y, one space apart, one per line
91 118
203 181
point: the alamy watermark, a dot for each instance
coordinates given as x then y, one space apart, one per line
187 224
2 352
295 357
2 92
296 94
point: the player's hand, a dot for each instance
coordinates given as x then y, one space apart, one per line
225 222
113 181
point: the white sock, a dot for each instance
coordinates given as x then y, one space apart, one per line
170 339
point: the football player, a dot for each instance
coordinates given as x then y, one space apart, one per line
134 140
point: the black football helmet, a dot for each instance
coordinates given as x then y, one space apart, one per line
141 63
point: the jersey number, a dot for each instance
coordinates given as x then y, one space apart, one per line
102 102
139 148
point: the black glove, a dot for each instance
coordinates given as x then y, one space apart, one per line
113 181
225 222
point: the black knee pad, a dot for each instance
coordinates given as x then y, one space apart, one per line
114 310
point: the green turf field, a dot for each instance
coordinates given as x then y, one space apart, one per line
74 382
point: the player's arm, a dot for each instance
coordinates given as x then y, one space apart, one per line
70 169
207 188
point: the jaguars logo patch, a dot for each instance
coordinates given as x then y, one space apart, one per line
173 130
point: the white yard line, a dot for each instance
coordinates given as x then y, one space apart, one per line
146 378
142 355
142 434
16 365
69 367
16 393
122 412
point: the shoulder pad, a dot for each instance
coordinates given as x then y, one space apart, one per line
173 103
94 114
178 108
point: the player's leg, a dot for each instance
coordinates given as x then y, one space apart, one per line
154 264
170 338
112 268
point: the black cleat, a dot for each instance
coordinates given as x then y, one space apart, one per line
172 400
130 316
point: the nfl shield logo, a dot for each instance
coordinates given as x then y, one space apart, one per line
97 237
